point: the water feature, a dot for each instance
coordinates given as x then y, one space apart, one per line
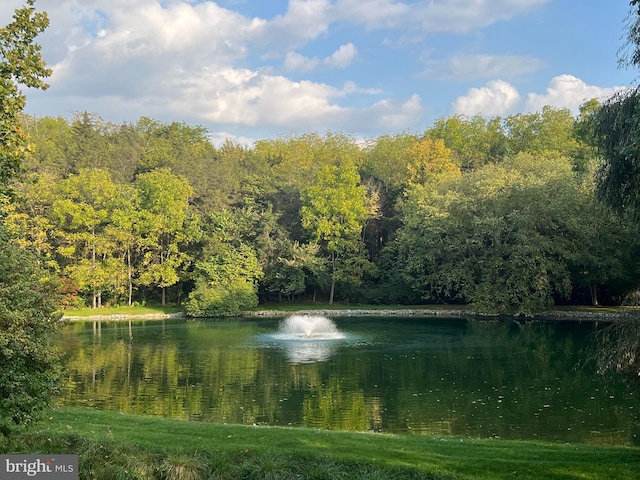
309 327
307 338
438 377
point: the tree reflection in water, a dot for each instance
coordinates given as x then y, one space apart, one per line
441 377
617 348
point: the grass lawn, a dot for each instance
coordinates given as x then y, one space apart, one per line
110 440
124 310
297 306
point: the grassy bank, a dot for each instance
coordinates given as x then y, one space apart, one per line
122 311
285 308
110 444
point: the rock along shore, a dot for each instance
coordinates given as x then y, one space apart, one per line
558 315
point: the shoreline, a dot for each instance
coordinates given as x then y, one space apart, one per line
550 315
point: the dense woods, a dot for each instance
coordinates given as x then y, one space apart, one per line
499 213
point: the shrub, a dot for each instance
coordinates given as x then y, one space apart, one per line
29 366
222 300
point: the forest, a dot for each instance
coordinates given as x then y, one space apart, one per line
501 214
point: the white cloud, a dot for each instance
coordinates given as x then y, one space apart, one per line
245 97
463 16
197 61
350 87
496 98
188 61
304 20
296 62
481 66
430 16
342 57
567 91
393 116
372 13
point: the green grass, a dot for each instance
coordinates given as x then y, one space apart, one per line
124 310
162 448
297 306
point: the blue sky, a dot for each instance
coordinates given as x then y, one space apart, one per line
251 69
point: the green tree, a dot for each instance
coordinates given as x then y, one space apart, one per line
497 238
28 363
29 368
585 157
603 249
52 140
21 63
474 141
386 161
630 52
227 279
125 234
83 211
617 127
28 220
167 225
226 283
89 143
550 130
335 212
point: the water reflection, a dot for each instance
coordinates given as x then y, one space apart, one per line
434 377
301 351
306 338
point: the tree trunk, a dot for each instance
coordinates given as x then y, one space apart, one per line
164 296
593 290
94 293
130 275
333 277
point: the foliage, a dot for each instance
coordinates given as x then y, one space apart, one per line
165 223
629 54
550 130
496 238
617 348
617 124
20 64
335 211
430 160
84 208
321 212
28 363
221 300
226 284
473 141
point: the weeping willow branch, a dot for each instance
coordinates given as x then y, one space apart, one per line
617 129
618 348
629 53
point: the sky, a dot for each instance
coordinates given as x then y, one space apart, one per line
254 69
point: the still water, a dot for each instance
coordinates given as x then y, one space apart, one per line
437 377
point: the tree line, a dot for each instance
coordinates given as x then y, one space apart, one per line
498 213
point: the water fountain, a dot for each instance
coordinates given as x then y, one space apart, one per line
310 327
308 338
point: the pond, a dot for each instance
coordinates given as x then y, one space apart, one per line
437 377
